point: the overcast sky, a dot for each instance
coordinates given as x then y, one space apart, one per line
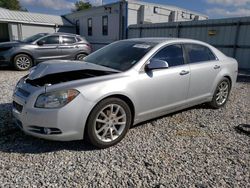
212 8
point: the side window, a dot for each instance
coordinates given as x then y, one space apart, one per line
51 40
105 25
78 39
199 53
172 54
90 27
68 40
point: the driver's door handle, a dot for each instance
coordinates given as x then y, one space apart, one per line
184 72
216 67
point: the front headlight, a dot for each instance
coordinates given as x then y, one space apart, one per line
56 99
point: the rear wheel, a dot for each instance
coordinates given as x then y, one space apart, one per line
108 122
80 56
22 62
221 94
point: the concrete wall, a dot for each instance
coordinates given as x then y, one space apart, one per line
231 35
19 31
29 30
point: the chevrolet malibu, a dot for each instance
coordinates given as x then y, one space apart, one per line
120 85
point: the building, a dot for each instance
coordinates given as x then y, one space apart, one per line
105 24
17 25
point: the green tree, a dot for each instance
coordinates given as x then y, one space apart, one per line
80 5
11 4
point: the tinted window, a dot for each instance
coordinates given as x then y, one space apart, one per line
172 54
51 40
90 27
199 53
120 55
105 25
78 39
77 27
68 40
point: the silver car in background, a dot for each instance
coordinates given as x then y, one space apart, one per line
22 55
120 85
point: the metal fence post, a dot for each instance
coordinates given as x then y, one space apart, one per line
140 32
178 30
236 37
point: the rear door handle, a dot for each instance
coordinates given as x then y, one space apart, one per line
216 67
184 72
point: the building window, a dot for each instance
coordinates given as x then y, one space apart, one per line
105 25
90 27
77 27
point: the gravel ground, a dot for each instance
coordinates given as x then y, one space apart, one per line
198 147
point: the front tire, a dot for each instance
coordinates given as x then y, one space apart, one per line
108 122
221 94
22 62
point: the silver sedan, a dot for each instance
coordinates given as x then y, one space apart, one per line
120 85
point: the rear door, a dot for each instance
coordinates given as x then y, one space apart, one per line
204 67
49 49
68 47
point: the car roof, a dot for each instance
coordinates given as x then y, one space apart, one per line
61 33
159 40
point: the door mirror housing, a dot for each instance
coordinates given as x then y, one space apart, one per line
40 42
157 64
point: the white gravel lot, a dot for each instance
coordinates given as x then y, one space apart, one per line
198 147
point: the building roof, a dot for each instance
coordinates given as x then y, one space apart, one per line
32 18
139 3
166 6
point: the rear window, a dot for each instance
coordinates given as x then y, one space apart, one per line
68 40
78 39
199 53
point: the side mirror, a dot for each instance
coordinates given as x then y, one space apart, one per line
40 42
156 64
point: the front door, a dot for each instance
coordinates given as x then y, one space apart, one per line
47 48
164 89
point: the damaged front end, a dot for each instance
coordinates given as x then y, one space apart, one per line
55 72
57 78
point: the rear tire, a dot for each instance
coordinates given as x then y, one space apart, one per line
108 122
80 56
221 94
22 62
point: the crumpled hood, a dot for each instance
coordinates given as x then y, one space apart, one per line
61 66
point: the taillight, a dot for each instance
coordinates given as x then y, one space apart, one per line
89 45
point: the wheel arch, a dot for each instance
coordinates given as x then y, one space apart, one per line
26 53
230 80
81 52
123 97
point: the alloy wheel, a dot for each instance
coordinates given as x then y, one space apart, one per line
222 93
23 62
80 57
110 123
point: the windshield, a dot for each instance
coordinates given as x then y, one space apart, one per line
120 55
34 37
